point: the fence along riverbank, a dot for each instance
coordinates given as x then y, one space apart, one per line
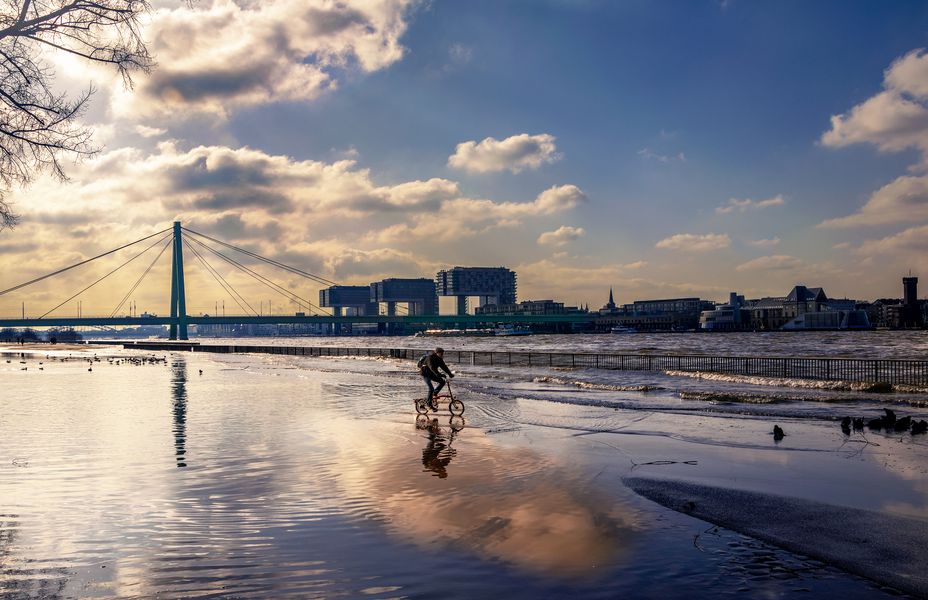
858 370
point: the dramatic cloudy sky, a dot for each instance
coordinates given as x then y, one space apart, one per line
665 148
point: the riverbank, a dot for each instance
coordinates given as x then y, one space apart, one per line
312 477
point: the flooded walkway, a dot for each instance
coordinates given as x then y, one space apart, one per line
179 475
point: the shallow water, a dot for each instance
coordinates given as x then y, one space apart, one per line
293 477
847 344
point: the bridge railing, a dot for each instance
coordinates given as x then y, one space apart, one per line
859 370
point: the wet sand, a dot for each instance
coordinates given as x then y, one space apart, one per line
885 548
314 478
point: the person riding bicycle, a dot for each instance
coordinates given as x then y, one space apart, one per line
430 368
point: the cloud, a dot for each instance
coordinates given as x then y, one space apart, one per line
911 241
329 218
515 153
459 54
893 119
647 154
561 236
776 262
695 242
765 243
467 217
747 204
146 131
903 200
230 54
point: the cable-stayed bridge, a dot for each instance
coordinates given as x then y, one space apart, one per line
204 248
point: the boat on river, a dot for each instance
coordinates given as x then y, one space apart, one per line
510 330
623 329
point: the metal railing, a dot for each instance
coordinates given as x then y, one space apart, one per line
863 370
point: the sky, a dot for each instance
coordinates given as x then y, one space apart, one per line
666 149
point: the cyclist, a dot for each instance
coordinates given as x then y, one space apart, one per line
430 368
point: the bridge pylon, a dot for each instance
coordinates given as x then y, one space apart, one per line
178 327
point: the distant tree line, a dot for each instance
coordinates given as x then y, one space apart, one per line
28 335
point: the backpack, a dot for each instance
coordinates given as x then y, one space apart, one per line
422 362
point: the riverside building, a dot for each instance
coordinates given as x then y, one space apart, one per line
803 308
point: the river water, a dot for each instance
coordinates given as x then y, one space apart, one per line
134 475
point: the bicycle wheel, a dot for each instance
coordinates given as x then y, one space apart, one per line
422 406
456 407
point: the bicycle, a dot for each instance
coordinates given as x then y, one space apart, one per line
455 406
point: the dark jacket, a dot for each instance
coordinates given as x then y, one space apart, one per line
433 363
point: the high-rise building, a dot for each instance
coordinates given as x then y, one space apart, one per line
910 313
493 285
356 297
418 294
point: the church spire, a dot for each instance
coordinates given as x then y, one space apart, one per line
611 304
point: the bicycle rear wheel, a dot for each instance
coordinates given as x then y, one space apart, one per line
456 407
422 406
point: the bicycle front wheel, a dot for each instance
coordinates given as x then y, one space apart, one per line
456 407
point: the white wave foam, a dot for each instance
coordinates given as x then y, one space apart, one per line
598 386
854 386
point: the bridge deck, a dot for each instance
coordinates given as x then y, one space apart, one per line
294 319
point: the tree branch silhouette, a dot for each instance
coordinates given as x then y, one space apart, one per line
37 125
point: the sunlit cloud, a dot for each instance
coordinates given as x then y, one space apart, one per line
695 242
215 57
776 262
893 120
746 204
514 154
911 241
903 200
561 236
765 243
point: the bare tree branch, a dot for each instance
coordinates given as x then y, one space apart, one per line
37 125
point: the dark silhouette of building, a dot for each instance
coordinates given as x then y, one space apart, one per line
355 297
609 307
910 313
493 285
419 295
529 307
670 314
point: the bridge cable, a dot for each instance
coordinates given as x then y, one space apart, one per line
105 276
139 280
294 270
226 286
83 262
292 296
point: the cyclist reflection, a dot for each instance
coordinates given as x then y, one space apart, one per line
437 454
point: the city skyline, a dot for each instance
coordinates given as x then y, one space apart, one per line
400 138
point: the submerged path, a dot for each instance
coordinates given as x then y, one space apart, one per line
873 371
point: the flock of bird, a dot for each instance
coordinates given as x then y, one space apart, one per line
126 360
888 421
